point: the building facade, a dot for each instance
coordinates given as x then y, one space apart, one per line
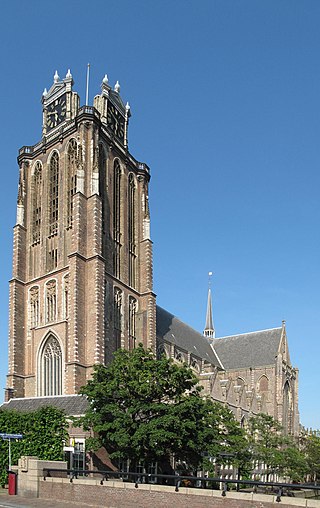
82 254
251 373
82 283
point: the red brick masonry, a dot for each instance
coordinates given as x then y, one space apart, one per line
125 495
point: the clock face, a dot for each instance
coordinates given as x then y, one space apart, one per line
115 121
56 112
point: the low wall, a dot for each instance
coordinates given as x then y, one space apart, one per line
118 494
30 472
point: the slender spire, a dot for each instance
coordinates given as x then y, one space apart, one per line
209 331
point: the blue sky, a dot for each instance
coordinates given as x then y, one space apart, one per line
226 112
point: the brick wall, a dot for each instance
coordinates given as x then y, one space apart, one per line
125 495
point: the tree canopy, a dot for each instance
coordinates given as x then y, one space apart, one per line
44 432
278 452
146 409
312 452
266 439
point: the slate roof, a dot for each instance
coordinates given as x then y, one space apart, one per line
174 331
72 405
247 350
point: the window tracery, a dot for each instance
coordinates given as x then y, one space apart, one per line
51 301
132 322
34 306
51 368
71 179
195 365
163 350
116 218
131 231
53 194
102 161
36 204
117 315
179 356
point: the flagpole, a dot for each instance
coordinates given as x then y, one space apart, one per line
87 88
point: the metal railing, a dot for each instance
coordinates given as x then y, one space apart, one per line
176 481
88 110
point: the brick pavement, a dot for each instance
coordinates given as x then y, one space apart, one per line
7 501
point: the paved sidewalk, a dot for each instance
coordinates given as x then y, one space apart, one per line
7 501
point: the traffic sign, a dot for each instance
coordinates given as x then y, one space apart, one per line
11 436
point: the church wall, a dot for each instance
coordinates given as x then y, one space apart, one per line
77 256
80 256
241 388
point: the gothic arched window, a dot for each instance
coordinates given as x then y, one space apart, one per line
50 367
263 385
116 217
51 301
36 203
34 306
179 356
71 179
117 315
195 365
132 322
53 195
131 231
103 183
287 408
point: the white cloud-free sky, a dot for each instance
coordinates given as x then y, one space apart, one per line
226 112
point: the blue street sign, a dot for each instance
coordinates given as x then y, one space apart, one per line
11 436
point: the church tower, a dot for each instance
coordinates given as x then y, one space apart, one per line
209 331
82 254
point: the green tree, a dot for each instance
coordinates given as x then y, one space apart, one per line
266 442
44 432
312 453
147 409
224 440
294 464
279 453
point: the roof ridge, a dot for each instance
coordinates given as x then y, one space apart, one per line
182 322
45 397
248 333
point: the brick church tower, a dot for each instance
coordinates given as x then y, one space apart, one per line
82 254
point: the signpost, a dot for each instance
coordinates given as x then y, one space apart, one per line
9 437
